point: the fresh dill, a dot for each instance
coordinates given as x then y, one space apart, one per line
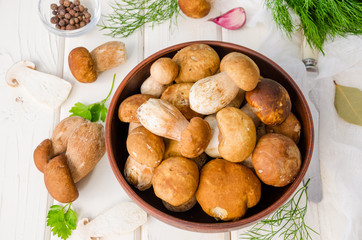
130 15
320 20
287 222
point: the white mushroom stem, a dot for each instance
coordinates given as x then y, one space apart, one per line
162 118
47 89
210 94
251 112
213 148
152 87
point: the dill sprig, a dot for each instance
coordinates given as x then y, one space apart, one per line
287 222
320 20
130 15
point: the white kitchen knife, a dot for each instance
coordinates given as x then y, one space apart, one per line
314 189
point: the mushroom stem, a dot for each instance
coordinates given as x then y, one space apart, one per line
251 112
47 89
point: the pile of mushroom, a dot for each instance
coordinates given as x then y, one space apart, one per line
75 148
190 140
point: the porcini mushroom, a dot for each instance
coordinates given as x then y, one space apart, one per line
175 181
128 108
269 101
163 119
227 190
137 174
164 70
237 135
276 159
196 61
209 95
290 127
48 89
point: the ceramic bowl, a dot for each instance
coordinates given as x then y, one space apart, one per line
195 219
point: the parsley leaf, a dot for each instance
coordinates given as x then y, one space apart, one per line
92 112
62 223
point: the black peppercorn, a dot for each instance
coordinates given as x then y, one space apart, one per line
76 2
61 22
53 6
66 3
82 24
67 16
54 12
71 21
54 20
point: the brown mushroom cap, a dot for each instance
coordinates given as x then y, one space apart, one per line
175 180
164 70
42 154
237 136
227 190
82 65
241 69
137 174
290 127
195 138
271 100
178 95
128 108
196 61
145 147
276 159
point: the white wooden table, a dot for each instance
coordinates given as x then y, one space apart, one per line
24 200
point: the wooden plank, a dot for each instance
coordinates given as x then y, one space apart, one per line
23 122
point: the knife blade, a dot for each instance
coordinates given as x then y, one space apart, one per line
314 189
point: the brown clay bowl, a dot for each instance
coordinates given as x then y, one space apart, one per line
195 219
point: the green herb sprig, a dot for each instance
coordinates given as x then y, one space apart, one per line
93 111
130 15
320 20
287 222
62 222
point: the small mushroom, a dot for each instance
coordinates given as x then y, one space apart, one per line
241 69
82 65
42 154
163 119
152 87
145 147
195 8
58 180
227 190
128 108
237 135
172 150
137 174
164 70
276 159
178 95
48 89
213 148
196 61
209 95
269 101
290 127
109 55
175 181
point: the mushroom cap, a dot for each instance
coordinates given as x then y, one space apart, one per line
227 190
195 138
271 100
164 70
162 118
195 8
128 108
178 95
212 148
237 136
196 61
172 150
213 93
175 180
82 65
152 87
241 69
290 127
137 174
145 147
276 159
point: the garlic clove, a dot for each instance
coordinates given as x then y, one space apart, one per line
233 19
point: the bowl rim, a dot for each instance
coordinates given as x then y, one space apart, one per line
195 226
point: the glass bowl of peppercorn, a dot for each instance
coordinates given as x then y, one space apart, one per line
69 18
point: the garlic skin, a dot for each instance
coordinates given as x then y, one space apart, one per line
232 20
